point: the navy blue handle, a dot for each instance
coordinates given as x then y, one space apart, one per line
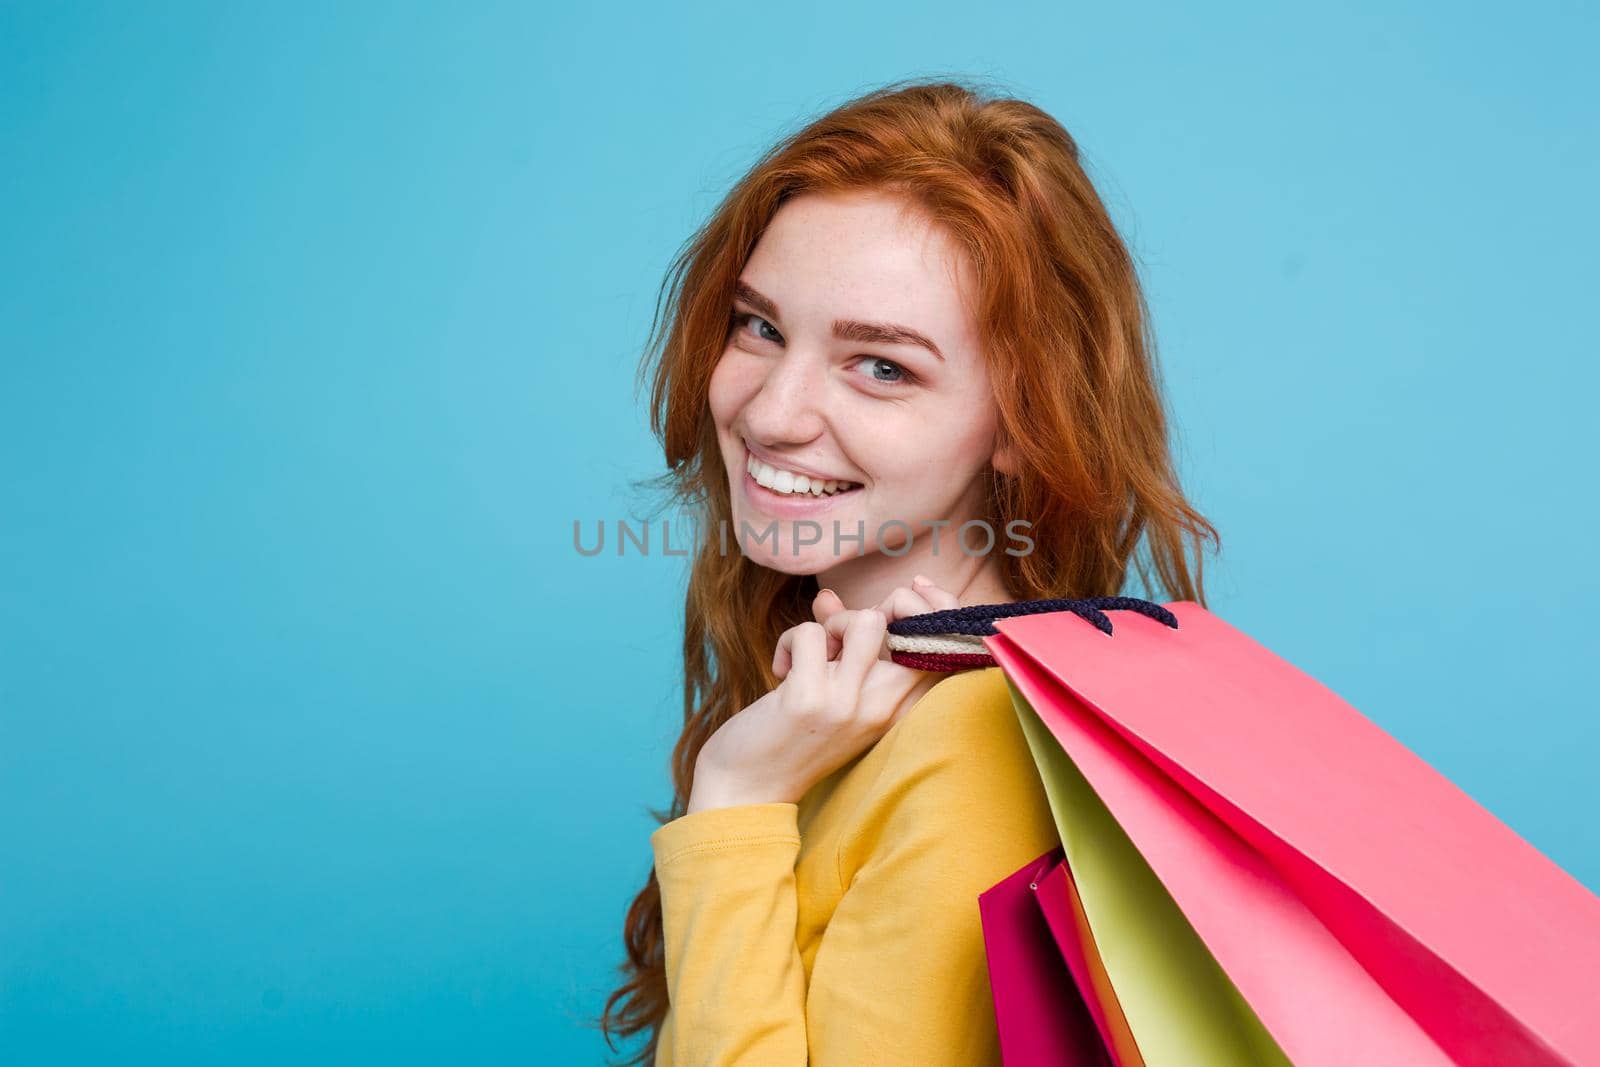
979 619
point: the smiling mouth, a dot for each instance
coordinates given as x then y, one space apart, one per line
794 486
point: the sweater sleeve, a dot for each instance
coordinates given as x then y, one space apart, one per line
900 975
729 909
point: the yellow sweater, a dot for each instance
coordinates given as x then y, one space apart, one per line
843 931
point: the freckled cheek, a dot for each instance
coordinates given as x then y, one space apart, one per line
967 434
926 460
728 390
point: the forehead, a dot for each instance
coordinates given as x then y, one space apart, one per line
864 255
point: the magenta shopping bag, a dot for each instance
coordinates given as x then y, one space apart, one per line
1043 1019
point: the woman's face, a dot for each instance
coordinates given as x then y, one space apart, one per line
853 357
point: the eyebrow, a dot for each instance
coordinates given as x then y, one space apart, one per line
884 333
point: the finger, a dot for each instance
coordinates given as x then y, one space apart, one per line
809 648
834 629
863 641
825 604
902 602
830 611
940 599
783 652
782 658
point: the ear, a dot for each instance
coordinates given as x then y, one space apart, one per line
1004 460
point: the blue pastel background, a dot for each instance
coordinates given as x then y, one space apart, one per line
317 331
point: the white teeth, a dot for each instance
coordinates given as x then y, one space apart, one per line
781 481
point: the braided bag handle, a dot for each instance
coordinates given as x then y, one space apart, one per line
952 639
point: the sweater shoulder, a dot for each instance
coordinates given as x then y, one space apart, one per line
959 766
965 708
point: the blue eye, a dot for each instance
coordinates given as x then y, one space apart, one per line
897 375
739 318
877 363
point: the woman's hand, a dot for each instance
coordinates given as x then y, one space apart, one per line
838 694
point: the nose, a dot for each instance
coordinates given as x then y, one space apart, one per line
787 408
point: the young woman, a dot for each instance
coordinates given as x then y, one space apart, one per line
907 367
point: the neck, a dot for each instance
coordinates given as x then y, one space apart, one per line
864 581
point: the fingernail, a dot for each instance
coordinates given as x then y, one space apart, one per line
920 580
830 592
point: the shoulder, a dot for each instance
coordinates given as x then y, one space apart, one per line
962 710
958 771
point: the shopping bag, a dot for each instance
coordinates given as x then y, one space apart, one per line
1178 1006
1182 1011
1366 909
1056 894
1043 1019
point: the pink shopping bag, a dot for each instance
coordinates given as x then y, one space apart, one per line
1367 909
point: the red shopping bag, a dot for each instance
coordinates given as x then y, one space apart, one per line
1366 908
1043 1019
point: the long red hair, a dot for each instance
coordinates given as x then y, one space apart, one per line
1066 331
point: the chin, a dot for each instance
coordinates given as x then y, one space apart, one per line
810 559
805 563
